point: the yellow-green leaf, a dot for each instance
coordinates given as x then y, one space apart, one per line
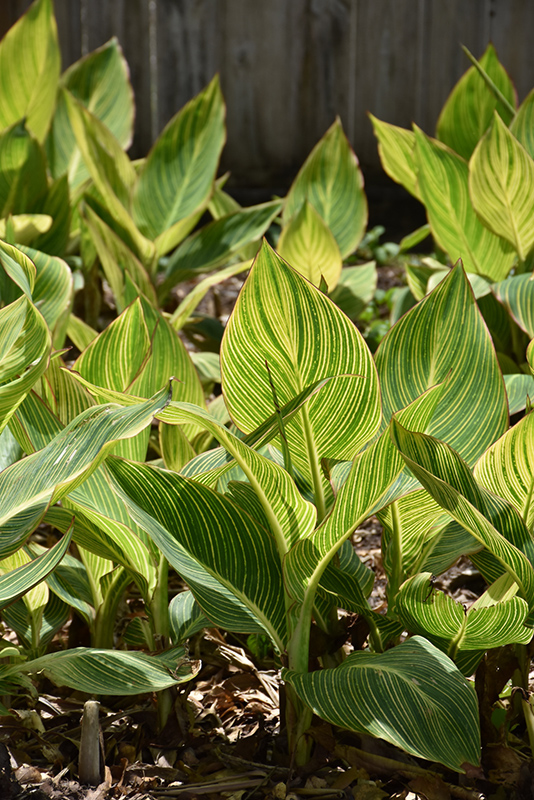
501 182
308 244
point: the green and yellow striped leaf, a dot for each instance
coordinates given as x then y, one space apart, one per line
283 321
53 291
412 696
355 289
199 291
517 296
179 171
29 486
374 481
501 183
331 181
507 468
419 352
469 109
111 170
307 243
215 243
217 548
490 519
437 616
24 351
30 63
17 582
522 125
113 672
186 617
518 388
444 186
396 150
99 80
117 260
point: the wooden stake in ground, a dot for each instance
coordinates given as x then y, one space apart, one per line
89 766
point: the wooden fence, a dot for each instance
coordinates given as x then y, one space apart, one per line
289 66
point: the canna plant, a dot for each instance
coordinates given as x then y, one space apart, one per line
262 535
475 180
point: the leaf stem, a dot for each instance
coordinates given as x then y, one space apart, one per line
397 572
318 489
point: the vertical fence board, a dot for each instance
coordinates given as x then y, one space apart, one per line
68 19
188 39
444 61
511 30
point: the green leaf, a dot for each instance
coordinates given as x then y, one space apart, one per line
26 226
307 243
293 328
501 181
217 548
443 183
117 260
111 170
507 468
53 292
468 111
30 63
199 291
17 582
215 243
24 351
396 150
518 388
355 289
490 519
442 620
412 696
57 205
186 617
373 483
23 180
331 181
30 485
100 81
113 672
179 171
517 296
419 352
522 125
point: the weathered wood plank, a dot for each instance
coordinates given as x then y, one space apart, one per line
289 66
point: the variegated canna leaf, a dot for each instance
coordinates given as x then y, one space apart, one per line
396 150
412 696
216 547
419 352
490 519
507 468
17 582
468 111
179 171
443 182
281 331
29 486
30 63
307 243
501 179
113 672
331 181
101 82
